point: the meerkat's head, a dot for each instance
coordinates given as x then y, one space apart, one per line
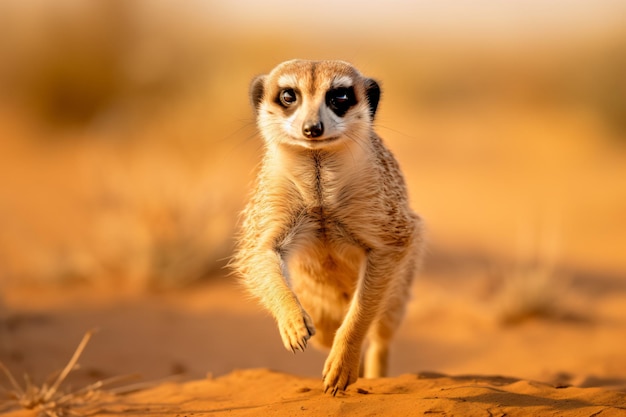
314 104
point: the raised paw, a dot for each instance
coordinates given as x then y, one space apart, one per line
340 370
296 330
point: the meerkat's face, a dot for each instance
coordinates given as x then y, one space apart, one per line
314 104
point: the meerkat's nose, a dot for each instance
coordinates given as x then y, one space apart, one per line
313 129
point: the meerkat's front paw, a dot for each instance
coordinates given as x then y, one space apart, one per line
340 370
296 330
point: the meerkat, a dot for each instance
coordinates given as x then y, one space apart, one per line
328 243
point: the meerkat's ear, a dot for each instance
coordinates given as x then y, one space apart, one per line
372 91
257 89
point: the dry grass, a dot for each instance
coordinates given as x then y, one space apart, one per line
526 293
51 400
532 287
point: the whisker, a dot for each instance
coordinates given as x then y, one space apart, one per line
356 139
399 132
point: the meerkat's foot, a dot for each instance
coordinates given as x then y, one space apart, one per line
341 369
296 329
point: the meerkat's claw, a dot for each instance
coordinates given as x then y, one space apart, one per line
341 368
296 330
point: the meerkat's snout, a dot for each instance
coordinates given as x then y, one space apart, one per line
313 129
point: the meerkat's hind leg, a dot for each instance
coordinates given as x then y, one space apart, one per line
382 330
376 359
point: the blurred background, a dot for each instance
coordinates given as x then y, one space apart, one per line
127 143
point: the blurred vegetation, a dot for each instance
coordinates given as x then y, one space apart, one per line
112 58
117 197
101 60
148 113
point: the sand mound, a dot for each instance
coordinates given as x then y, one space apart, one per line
258 392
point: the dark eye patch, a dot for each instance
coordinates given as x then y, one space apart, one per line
340 99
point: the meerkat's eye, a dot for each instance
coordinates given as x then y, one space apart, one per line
287 97
340 100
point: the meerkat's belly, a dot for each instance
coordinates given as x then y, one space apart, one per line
323 273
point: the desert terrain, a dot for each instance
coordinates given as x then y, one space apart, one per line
127 149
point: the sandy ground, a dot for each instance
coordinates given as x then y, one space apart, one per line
228 357
263 392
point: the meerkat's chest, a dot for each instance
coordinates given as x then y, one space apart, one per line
331 195
329 218
325 209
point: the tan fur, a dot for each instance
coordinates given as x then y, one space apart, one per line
329 244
